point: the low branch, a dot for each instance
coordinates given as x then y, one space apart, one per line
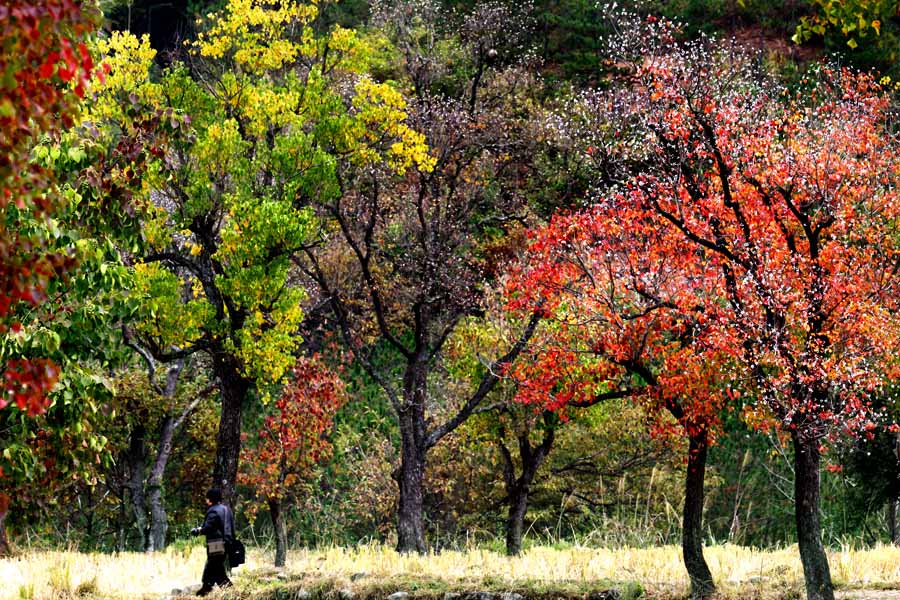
488 382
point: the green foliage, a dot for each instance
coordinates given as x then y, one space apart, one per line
854 19
863 32
255 140
572 34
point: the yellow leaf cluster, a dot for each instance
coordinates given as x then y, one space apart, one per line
381 113
128 60
253 33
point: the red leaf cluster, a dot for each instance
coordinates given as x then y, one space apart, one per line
294 438
26 382
44 68
755 257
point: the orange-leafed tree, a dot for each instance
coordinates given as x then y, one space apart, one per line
776 213
792 202
293 439
615 328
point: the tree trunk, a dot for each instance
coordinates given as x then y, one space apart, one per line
5 550
809 530
702 585
159 524
280 531
136 459
234 388
410 479
519 488
122 520
515 520
410 513
892 519
159 520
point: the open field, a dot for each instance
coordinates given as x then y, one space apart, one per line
375 571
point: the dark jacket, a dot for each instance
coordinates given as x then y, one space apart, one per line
218 524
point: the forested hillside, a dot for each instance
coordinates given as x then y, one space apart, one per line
451 274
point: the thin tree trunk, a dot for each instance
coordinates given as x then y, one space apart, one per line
518 489
280 531
136 466
702 585
816 572
122 524
159 524
5 549
892 519
234 389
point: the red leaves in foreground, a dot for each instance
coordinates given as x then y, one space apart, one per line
33 102
27 382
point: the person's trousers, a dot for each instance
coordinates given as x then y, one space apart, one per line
214 572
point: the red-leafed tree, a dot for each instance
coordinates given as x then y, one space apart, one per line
793 204
776 216
292 440
44 67
616 328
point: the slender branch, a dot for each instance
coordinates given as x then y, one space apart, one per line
145 354
371 285
341 314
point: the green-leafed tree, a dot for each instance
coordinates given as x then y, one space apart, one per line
230 147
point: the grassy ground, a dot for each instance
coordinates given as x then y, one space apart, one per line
376 571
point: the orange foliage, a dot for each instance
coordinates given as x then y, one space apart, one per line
754 258
294 438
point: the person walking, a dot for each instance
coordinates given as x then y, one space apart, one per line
218 527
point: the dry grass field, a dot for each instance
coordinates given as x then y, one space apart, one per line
374 571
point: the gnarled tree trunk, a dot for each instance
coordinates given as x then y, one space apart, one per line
816 572
233 387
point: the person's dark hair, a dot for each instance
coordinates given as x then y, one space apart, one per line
214 495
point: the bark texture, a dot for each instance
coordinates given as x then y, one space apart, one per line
159 524
411 509
234 388
518 488
702 585
137 455
5 550
280 531
816 573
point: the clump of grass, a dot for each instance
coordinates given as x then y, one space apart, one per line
26 592
87 587
60 578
